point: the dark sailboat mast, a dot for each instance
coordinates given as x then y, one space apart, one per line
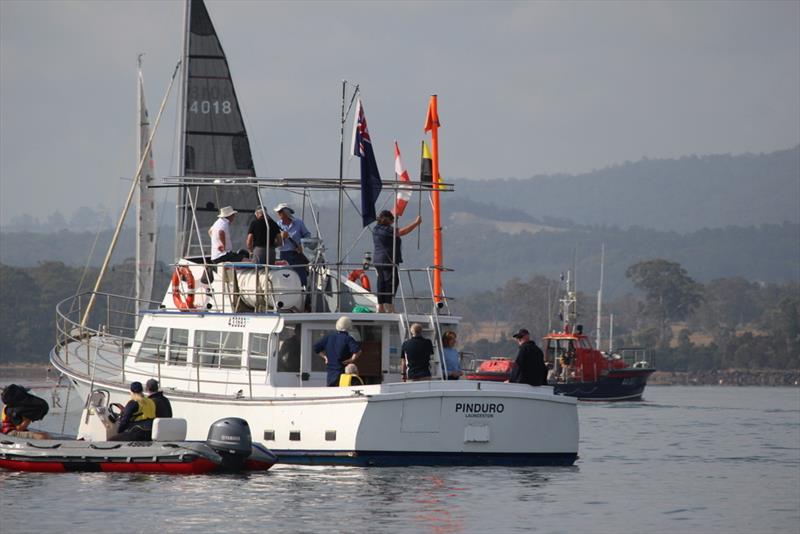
213 141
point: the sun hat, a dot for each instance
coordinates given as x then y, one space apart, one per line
283 206
227 211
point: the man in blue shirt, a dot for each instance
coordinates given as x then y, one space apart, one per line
338 349
293 230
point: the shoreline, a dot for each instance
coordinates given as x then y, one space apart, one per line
722 377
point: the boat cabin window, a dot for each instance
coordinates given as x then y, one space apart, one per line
317 363
369 336
289 349
178 345
259 347
154 345
558 347
584 343
218 349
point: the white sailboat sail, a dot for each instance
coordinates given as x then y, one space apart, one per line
146 210
214 141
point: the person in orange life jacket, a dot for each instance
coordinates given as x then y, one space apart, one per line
530 367
136 422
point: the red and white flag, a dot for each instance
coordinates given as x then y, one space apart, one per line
404 192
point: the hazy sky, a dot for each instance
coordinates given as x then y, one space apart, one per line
524 87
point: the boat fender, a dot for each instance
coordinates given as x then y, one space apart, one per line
362 278
183 274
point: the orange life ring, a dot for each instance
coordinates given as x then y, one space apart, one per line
183 302
362 277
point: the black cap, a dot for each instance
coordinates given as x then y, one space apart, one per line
136 387
152 385
521 332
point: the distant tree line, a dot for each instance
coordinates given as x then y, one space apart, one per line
726 323
30 296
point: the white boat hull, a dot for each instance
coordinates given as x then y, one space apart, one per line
416 423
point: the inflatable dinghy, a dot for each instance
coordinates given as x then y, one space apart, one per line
229 448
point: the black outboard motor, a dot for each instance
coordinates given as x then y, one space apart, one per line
231 439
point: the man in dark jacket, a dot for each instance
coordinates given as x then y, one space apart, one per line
530 367
417 352
163 407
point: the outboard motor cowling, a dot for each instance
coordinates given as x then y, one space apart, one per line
230 438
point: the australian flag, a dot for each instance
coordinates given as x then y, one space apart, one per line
370 177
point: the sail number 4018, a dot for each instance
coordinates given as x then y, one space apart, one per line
210 106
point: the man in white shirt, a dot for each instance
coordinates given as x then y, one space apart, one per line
220 233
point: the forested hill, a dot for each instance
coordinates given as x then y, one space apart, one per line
487 247
683 195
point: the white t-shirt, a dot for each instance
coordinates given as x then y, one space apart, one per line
223 225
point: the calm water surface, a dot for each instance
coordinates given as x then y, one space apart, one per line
688 459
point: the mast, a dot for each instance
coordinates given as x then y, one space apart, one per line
432 125
145 207
341 202
180 211
600 294
568 307
134 187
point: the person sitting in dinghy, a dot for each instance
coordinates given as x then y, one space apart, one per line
136 422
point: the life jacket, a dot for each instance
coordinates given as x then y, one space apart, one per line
146 410
8 424
346 380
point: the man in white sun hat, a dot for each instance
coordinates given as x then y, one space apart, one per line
220 233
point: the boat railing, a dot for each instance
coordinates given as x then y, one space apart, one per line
415 287
104 350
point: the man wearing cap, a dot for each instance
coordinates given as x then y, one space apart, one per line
136 421
220 233
338 349
292 231
163 407
530 367
262 230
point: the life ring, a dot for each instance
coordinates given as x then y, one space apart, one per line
183 302
362 278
